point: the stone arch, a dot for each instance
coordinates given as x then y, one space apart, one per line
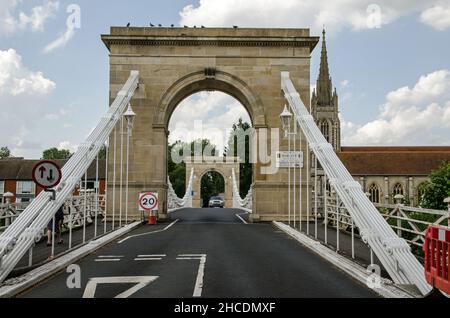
197 82
226 180
398 188
223 166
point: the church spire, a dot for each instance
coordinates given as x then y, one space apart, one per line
324 85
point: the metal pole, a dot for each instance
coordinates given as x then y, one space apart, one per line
301 187
289 172
85 207
128 171
114 180
337 223
295 171
106 188
308 177
325 206
121 173
371 257
97 186
316 196
353 239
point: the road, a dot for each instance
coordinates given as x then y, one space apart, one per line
207 253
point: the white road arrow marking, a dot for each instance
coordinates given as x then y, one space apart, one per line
141 282
201 270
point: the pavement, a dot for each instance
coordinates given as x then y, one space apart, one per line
207 253
42 252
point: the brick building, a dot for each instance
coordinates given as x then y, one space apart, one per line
15 177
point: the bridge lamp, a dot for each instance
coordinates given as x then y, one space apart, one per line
129 115
286 119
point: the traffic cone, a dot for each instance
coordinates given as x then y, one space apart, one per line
151 219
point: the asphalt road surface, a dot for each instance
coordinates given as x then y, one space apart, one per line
206 253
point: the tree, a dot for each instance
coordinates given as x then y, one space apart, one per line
246 167
5 152
102 153
437 189
56 154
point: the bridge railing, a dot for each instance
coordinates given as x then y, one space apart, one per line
174 202
19 237
393 252
411 223
245 204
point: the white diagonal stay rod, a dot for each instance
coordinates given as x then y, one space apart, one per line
393 252
19 237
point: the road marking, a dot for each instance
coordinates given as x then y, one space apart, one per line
239 217
156 255
201 271
110 256
144 234
148 259
108 260
141 282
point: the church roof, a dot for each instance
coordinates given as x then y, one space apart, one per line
394 161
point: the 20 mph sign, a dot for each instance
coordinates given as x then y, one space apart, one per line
47 174
148 201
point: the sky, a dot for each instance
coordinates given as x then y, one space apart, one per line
389 61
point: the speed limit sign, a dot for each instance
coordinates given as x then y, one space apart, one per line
148 201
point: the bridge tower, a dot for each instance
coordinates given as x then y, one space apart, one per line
175 63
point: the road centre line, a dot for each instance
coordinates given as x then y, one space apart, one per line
154 232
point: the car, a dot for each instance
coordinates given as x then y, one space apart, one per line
216 202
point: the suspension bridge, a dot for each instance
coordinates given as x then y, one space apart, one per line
283 239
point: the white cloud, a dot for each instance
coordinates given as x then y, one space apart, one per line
410 116
11 22
345 83
23 95
437 16
67 145
15 79
61 41
336 15
207 115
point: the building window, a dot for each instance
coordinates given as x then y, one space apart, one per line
375 193
25 187
325 129
90 185
398 189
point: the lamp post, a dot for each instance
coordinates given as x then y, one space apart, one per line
286 119
129 117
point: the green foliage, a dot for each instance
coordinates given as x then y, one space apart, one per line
246 168
5 152
56 154
212 184
102 153
436 190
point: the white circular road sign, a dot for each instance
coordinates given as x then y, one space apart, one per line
47 174
148 201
